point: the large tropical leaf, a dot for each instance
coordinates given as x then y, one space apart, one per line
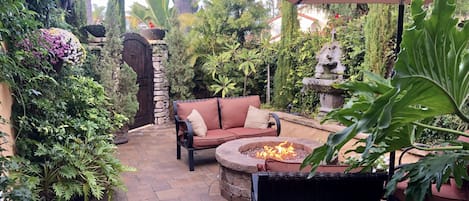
160 11
140 12
434 56
432 79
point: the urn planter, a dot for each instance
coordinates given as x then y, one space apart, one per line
153 33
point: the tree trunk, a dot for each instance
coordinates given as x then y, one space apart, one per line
245 84
267 96
89 13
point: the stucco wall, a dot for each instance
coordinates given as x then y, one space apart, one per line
5 112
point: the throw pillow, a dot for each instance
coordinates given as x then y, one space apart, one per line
256 118
198 124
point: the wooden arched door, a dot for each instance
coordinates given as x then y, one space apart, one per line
138 54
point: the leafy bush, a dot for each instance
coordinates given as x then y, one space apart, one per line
429 136
352 40
302 51
178 71
218 39
66 137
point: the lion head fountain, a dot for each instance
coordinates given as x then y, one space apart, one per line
328 71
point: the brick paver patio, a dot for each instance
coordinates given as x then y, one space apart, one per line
159 176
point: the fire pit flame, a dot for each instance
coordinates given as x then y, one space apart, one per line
282 151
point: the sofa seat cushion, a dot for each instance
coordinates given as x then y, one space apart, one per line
448 192
213 138
252 132
208 109
234 110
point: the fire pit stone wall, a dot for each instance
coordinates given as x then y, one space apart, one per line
236 168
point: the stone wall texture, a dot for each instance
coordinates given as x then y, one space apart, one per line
160 82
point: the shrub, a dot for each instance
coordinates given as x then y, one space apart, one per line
66 137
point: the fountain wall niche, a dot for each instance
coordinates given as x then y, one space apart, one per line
328 71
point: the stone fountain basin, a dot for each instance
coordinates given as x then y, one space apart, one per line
322 85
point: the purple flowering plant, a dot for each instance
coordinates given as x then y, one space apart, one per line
55 45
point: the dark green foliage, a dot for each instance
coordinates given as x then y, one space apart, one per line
289 30
224 30
64 145
76 18
178 71
50 13
431 80
119 80
347 11
16 22
11 186
301 51
231 18
352 40
380 26
429 136
66 137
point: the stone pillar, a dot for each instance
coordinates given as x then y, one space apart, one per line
160 82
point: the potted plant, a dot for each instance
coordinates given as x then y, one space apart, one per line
156 15
118 78
431 79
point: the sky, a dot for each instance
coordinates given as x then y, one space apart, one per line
127 3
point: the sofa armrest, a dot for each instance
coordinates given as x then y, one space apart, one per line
189 135
188 132
277 122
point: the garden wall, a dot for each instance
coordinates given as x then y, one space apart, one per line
302 127
6 101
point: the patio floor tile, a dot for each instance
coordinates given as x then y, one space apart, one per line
159 176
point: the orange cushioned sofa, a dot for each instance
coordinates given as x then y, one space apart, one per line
207 123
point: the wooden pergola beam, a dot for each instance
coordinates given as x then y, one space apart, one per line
352 1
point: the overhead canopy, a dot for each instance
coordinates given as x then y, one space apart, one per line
352 1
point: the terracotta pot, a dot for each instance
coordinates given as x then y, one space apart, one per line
153 34
121 135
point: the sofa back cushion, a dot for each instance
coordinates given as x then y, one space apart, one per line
208 109
234 110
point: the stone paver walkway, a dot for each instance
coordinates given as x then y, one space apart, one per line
159 176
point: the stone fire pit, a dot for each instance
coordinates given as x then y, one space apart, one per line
236 168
